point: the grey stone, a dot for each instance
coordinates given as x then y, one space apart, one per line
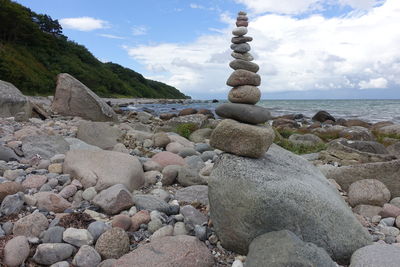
77 144
244 56
200 232
195 162
239 31
12 101
180 229
367 210
245 94
208 155
280 191
31 225
192 216
241 48
247 140
12 204
284 248
170 173
53 235
99 134
114 199
386 172
365 146
154 225
187 152
45 146
200 135
77 237
394 149
243 113
97 228
188 177
72 98
16 251
305 139
150 203
244 65
241 39
86 256
193 194
7 154
202 147
8 227
376 255
243 77
47 254
60 264
357 133
107 263
102 169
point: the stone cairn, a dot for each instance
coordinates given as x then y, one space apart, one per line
239 133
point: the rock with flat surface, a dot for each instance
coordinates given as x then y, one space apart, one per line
73 98
193 194
242 139
243 77
168 251
48 254
102 169
377 255
283 249
46 146
245 113
368 191
12 101
244 65
87 256
114 199
386 172
99 134
31 225
245 94
280 191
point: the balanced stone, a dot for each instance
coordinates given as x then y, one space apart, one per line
244 65
245 94
242 13
244 113
242 17
239 31
241 48
243 77
241 39
244 56
242 23
242 139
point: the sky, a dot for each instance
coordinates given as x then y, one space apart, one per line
306 49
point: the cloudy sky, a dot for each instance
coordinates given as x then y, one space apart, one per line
306 49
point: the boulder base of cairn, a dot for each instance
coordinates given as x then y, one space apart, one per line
250 197
243 113
242 139
245 94
73 98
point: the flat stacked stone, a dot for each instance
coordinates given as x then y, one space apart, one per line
243 97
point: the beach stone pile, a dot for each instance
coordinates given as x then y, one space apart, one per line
238 134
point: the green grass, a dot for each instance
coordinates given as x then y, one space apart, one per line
300 149
186 129
381 137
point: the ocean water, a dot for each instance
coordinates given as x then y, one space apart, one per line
367 110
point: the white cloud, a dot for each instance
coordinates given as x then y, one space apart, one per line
312 53
83 24
111 36
378 83
196 6
139 30
302 6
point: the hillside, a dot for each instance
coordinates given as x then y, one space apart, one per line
33 51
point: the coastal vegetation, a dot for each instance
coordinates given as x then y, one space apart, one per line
33 50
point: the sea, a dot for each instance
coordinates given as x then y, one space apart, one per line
367 110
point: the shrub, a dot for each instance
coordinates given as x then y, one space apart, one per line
185 129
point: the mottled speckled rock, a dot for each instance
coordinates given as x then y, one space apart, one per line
243 77
244 65
113 244
245 94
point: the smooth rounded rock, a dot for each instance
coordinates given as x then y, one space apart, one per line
239 31
376 255
245 113
244 65
245 94
241 39
242 23
243 77
87 256
48 254
241 48
16 251
245 56
369 192
77 237
97 228
166 158
31 225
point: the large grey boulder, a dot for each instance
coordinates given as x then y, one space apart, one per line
99 134
12 101
250 197
386 172
45 146
377 255
282 249
73 98
103 169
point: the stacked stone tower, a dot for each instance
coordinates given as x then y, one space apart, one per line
240 133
